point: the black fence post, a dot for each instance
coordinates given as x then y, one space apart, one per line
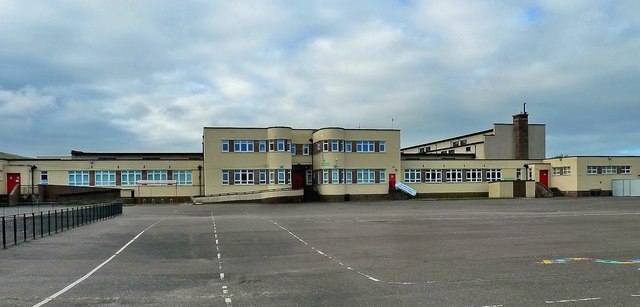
68 224
55 220
24 226
4 234
49 221
41 225
33 224
15 230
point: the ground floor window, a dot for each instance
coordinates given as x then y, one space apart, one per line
474 175
79 178
365 176
433 175
130 177
454 175
412 175
183 177
156 175
105 178
494 175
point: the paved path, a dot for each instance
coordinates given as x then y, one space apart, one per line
538 252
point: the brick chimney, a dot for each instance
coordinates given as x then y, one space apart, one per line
521 136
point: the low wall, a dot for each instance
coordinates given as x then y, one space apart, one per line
261 196
63 193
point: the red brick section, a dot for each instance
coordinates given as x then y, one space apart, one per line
521 136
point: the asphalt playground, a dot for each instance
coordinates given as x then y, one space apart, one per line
518 252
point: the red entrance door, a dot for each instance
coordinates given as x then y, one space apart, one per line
392 182
297 182
13 180
544 178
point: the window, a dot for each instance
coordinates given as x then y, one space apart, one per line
44 177
494 174
225 177
468 149
243 176
562 171
365 146
519 174
474 175
130 177
625 169
325 146
105 178
454 175
309 177
243 146
383 176
348 176
452 151
263 176
272 145
225 145
281 145
272 177
609 170
325 176
592 170
305 149
455 143
335 176
433 175
262 146
463 142
79 178
156 175
428 148
366 176
335 145
381 146
347 146
557 171
292 149
281 176
412 175
566 170
183 177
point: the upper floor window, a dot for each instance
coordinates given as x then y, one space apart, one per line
183 177
79 178
335 145
347 146
156 175
625 169
243 146
105 178
365 146
609 170
225 145
592 170
262 146
325 146
292 149
382 146
281 145
44 177
305 149
272 145
130 177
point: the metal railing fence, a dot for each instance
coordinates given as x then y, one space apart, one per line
29 226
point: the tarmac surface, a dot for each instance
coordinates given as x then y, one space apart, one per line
519 252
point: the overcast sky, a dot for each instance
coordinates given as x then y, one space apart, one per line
130 76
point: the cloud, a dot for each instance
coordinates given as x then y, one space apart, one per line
23 101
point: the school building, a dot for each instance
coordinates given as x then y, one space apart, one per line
274 164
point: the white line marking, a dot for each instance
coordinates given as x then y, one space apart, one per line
218 256
574 300
75 283
217 242
635 295
227 300
221 276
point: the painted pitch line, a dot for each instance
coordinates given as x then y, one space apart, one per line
225 289
574 300
83 278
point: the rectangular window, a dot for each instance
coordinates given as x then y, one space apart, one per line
412 175
263 176
557 171
272 145
130 177
383 176
335 145
519 174
365 176
262 146
105 178
433 175
325 176
243 176
325 146
309 177
592 170
243 146
281 177
292 149
225 177
365 146
156 175
474 175
225 146
272 177
335 176
609 170
566 170
183 177
625 169
305 149
494 174
347 146
348 176
454 175
79 178
381 146
280 145
44 177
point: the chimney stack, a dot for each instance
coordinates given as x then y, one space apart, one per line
521 136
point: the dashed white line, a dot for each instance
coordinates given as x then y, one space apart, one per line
83 278
574 300
225 290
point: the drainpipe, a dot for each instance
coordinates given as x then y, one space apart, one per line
200 178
